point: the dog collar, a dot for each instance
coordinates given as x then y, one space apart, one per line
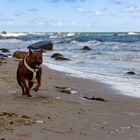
34 71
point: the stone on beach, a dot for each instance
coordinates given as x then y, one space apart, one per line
86 48
5 50
41 45
58 56
3 55
4 32
131 73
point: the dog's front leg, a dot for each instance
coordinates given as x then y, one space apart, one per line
30 83
38 78
23 89
38 85
27 90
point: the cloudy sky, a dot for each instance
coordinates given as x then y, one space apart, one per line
69 15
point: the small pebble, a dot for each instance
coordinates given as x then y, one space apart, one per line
39 121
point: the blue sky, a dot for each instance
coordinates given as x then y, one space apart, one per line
69 15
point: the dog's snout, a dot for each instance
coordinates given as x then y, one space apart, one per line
39 62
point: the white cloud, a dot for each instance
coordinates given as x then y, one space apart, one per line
73 23
20 23
9 23
32 9
60 24
89 25
69 24
12 0
131 8
117 2
97 12
40 23
57 23
54 1
82 10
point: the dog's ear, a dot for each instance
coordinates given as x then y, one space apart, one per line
30 51
41 50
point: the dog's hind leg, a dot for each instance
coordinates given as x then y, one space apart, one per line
23 89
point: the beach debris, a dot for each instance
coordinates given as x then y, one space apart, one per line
58 98
45 99
95 98
49 117
83 133
61 58
66 90
2 60
9 120
56 55
131 73
54 131
71 130
39 121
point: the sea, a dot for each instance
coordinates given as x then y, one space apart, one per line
112 55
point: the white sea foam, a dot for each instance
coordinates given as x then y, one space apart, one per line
71 34
38 33
13 34
126 86
132 33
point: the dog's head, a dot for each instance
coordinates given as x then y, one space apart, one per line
35 58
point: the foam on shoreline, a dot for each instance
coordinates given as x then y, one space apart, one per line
124 85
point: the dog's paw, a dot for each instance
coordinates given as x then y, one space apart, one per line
29 95
35 89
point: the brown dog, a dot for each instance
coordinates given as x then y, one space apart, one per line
20 54
28 70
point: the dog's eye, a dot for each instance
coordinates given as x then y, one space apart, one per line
35 57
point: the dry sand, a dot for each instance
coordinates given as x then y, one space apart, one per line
55 115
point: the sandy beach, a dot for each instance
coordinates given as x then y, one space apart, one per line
53 114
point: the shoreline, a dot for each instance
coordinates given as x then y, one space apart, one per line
61 116
120 84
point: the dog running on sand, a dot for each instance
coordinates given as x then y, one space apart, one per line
29 70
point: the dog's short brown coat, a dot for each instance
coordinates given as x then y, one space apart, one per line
24 75
20 54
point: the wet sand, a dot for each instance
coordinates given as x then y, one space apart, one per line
53 114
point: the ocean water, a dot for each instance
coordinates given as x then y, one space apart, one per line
111 57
